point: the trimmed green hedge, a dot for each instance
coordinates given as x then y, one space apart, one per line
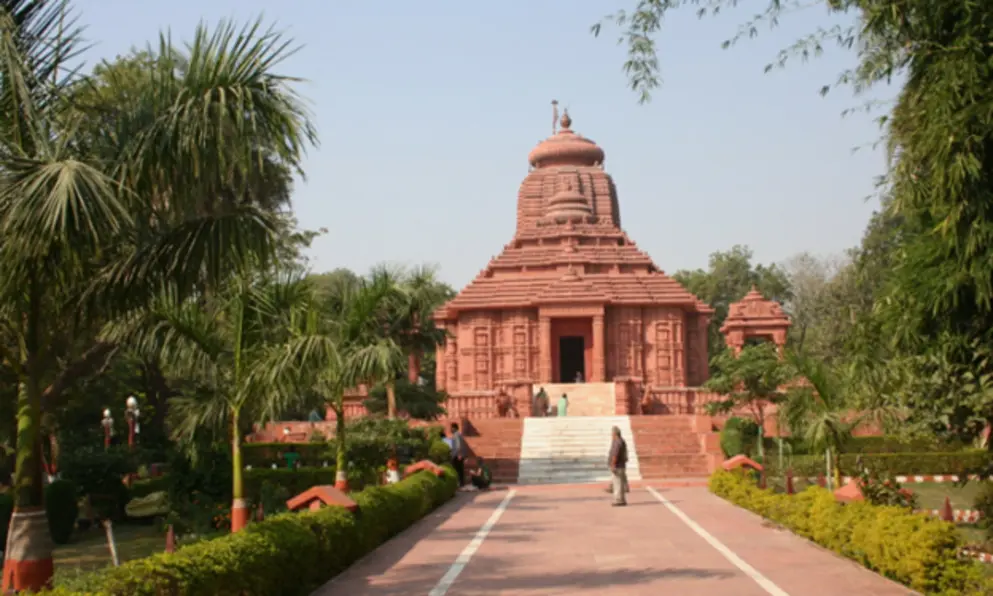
918 551
289 554
884 444
893 464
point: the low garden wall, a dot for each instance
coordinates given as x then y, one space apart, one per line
289 554
920 552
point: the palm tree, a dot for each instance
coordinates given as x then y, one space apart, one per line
340 344
220 345
817 411
98 215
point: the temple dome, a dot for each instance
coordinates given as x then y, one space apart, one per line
566 148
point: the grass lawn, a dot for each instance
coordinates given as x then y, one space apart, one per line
931 495
88 550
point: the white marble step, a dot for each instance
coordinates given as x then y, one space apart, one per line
572 450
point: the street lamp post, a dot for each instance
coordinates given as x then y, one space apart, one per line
132 414
108 428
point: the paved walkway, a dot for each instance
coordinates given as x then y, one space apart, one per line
526 541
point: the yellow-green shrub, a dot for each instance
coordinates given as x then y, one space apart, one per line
916 550
287 555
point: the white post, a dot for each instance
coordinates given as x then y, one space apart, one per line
111 544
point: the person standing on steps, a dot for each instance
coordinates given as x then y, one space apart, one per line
617 460
563 405
458 453
541 403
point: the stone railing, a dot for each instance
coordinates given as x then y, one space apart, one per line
475 406
677 400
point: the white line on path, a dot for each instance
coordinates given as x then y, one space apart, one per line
765 583
463 559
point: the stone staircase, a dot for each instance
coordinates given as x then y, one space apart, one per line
676 446
498 441
573 449
585 399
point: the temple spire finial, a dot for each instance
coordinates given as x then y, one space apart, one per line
566 120
555 116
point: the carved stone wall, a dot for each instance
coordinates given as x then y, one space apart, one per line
489 350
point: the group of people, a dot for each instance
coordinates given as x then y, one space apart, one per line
480 477
542 406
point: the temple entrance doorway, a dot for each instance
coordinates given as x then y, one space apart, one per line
572 358
572 349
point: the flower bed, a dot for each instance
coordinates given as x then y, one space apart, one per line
918 551
288 554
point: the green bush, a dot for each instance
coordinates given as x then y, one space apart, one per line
916 550
309 547
891 464
983 503
263 455
439 452
143 488
294 481
739 436
61 509
97 473
867 445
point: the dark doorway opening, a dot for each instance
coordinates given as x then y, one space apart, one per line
572 358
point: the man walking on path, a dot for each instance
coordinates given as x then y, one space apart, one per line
458 453
618 461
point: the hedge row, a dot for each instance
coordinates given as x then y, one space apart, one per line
263 455
289 554
874 445
894 464
295 481
916 550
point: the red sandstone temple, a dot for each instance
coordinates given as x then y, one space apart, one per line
573 306
572 297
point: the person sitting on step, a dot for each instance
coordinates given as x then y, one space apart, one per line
480 476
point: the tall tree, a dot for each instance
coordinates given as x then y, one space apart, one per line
220 346
752 381
76 239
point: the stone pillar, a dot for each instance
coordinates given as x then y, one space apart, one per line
599 372
545 349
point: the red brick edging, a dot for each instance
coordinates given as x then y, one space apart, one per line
965 516
978 555
913 479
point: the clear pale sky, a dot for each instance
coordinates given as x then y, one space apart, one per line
427 111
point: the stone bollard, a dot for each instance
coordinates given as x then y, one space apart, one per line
170 540
789 482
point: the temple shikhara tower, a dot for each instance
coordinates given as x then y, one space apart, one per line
571 297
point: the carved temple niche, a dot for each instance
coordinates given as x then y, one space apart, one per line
625 342
666 338
755 318
517 346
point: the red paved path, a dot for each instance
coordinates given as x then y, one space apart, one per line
571 541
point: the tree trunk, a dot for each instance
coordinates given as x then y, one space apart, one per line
391 400
239 507
414 367
341 452
28 564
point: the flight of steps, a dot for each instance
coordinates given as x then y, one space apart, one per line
572 450
498 441
676 446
